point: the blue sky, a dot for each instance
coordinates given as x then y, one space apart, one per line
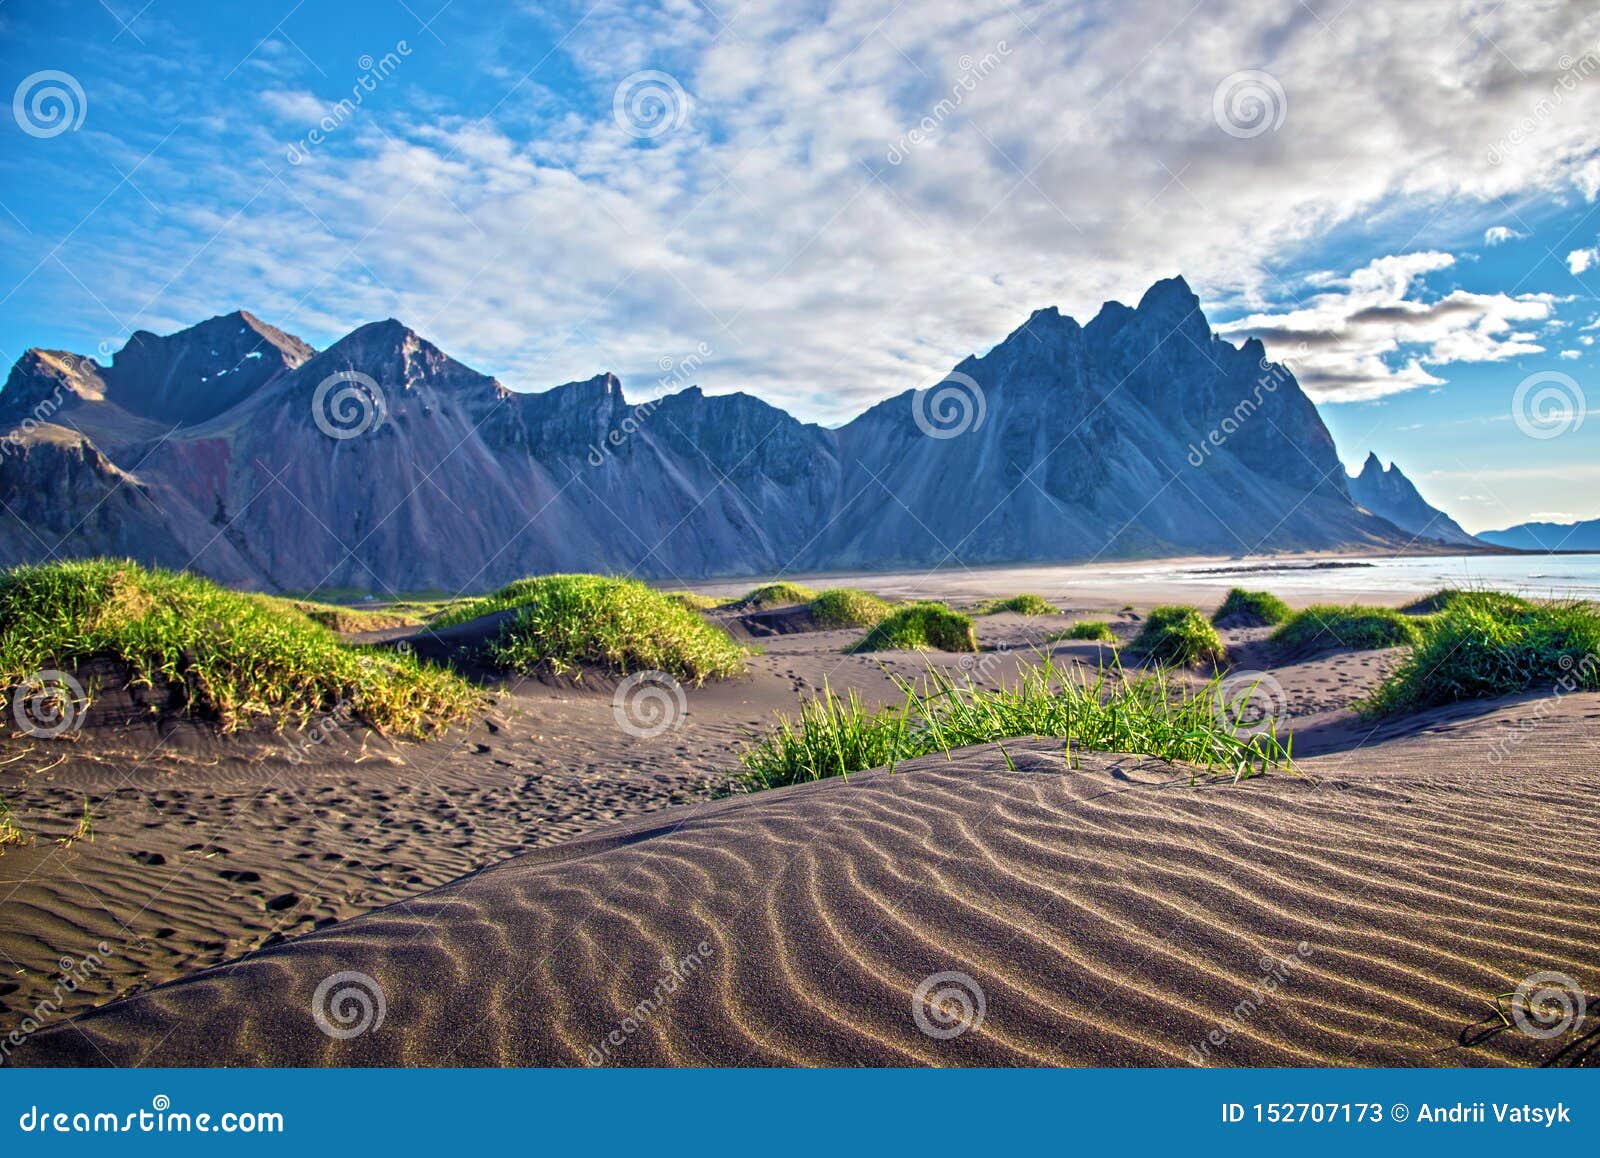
841 201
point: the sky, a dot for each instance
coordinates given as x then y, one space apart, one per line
826 204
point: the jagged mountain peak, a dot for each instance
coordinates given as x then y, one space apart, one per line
194 374
1388 493
1072 437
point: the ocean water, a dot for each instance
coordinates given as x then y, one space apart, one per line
1365 579
1546 576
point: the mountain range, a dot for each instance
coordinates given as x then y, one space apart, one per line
1582 536
382 465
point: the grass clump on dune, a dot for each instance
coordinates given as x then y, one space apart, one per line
776 595
694 601
1481 646
1449 597
1020 604
232 656
347 620
1096 630
921 625
1353 626
564 622
1148 715
847 607
1179 637
1251 609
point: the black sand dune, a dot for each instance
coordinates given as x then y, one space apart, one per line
1367 913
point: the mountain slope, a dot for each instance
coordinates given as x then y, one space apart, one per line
381 464
1389 494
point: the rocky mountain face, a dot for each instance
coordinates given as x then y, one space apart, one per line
383 465
1389 494
1584 536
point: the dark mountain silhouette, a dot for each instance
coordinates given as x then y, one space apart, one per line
1389 494
381 464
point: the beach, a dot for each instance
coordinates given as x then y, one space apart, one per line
525 888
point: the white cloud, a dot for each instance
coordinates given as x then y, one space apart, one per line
530 236
1579 260
1500 234
1370 335
1572 355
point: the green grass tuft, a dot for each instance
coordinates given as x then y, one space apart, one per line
831 737
1179 637
847 607
1251 609
1353 626
1097 630
694 601
921 625
567 621
1478 646
1151 715
776 595
233 656
1020 604
346 620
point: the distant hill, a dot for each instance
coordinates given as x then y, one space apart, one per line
1390 494
1548 536
381 464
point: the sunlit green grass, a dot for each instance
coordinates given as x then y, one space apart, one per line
695 601
565 622
232 656
847 607
1482 645
776 595
928 626
348 620
1352 626
1150 714
1024 604
1252 608
1179 637
1096 630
